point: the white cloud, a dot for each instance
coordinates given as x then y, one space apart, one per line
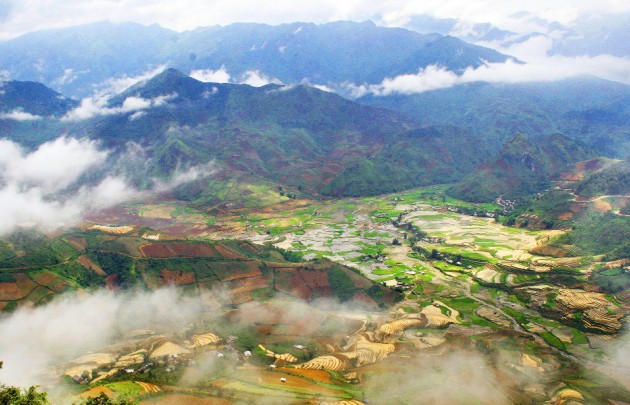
137 115
19 115
115 85
538 67
68 77
91 107
41 186
53 166
180 176
28 15
255 78
323 87
96 105
220 75
32 339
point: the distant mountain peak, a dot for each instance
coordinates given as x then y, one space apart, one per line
169 82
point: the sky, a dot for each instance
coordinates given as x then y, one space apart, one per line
21 16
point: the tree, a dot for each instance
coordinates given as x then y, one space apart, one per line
103 399
15 396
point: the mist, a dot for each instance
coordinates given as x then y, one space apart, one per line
32 339
457 377
44 187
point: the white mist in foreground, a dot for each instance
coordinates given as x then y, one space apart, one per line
33 339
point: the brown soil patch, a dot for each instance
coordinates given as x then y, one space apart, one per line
86 262
77 243
228 271
17 290
179 399
602 206
362 297
576 208
248 284
177 249
46 278
228 253
51 281
3 305
249 248
314 278
309 178
176 277
546 250
322 292
565 216
589 165
291 283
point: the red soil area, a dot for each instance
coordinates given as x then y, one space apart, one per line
291 283
85 261
248 284
227 271
589 165
362 297
249 248
176 277
314 278
77 243
51 281
9 292
177 249
576 208
228 253
309 178
565 216
24 284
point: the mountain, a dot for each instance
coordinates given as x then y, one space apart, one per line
74 60
523 167
33 98
611 180
315 141
30 111
591 109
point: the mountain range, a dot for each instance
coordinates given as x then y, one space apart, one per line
77 60
296 136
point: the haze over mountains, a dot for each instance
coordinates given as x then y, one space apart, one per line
73 60
259 100
462 183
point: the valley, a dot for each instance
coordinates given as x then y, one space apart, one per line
466 284
403 210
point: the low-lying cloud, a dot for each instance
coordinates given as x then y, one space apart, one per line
97 106
538 66
42 187
220 75
32 339
252 77
19 115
